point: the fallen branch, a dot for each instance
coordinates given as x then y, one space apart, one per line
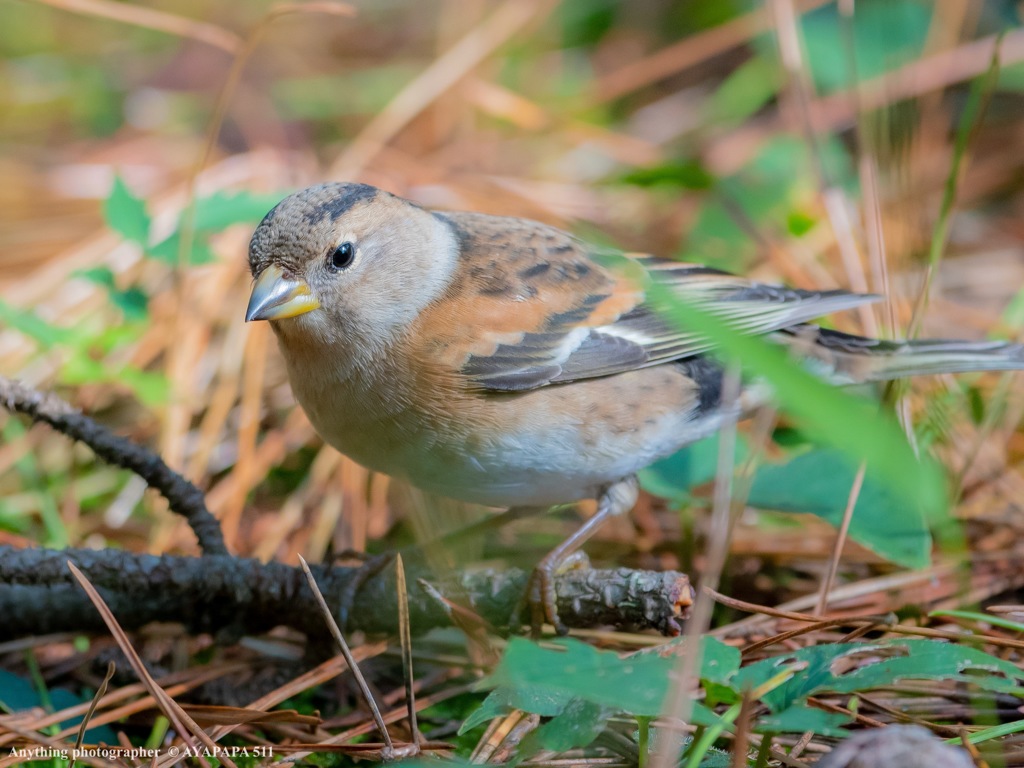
230 597
182 496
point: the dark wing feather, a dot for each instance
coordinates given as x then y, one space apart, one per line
574 319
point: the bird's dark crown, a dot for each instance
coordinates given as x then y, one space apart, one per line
276 236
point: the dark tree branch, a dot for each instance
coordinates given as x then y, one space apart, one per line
230 596
182 496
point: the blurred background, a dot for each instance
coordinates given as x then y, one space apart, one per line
793 141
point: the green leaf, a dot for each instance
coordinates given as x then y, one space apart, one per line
887 663
886 35
167 250
577 726
132 301
747 88
675 476
680 174
126 214
825 413
799 223
801 718
223 209
504 700
636 684
819 483
29 323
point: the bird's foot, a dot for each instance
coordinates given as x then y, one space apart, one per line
541 595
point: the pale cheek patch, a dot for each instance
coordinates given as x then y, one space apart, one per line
412 265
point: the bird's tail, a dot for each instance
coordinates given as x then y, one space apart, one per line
856 359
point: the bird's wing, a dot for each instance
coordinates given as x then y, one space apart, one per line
529 306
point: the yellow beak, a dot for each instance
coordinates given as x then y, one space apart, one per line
275 297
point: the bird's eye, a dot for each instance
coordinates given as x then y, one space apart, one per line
343 256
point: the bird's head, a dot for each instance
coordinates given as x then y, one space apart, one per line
348 263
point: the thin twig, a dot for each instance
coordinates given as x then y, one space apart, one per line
339 638
405 640
182 497
844 530
101 691
180 719
680 698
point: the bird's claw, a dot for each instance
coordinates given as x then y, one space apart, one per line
541 593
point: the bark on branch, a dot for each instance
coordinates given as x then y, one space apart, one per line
230 596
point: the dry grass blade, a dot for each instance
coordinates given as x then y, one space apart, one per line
182 723
179 363
435 80
687 53
209 715
869 621
100 692
335 631
178 717
898 629
405 639
169 683
844 530
393 716
679 699
153 19
328 670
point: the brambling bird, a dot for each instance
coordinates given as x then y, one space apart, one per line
496 361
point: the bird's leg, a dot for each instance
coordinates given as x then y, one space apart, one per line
615 499
374 564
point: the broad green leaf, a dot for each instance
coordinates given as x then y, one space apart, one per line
832 417
802 718
675 476
886 35
126 214
503 700
636 684
577 726
819 483
886 663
